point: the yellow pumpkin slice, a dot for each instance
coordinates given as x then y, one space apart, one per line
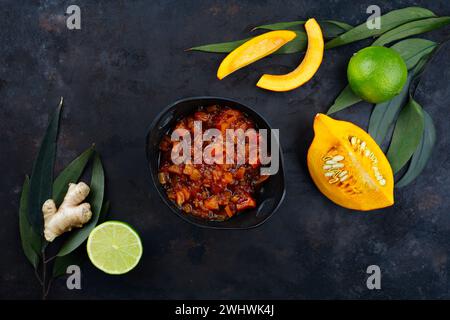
348 166
306 70
253 50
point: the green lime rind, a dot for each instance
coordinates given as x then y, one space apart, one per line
377 74
114 247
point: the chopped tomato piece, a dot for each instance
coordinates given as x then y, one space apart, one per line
213 108
229 212
188 169
261 179
212 203
186 193
195 175
240 173
162 177
227 177
180 198
245 202
217 174
175 169
201 116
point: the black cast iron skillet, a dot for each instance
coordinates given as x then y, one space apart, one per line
268 198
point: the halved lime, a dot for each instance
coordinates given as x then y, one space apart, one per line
114 247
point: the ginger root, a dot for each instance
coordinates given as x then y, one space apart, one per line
71 213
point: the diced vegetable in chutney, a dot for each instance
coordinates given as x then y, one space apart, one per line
211 191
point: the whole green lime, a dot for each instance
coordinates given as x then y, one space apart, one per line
377 74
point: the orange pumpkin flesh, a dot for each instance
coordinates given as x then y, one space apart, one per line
348 166
254 50
307 68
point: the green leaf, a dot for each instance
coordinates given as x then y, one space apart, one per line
412 50
342 25
104 212
407 134
291 25
345 99
70 174
77 237
384 114
61 263
422 153
388 22
223 47
30 240
410 29
416 53
330 28
42 176
420 65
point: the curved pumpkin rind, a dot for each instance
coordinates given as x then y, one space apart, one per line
361 190
253 50
307 68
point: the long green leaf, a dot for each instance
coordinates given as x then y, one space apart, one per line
77 237
422 153
345 99
30 240
388 22
412 50
42 176
70 174
104 212
410 29
419 67
407 134
290 25
384 114
330 28
344 26
61 263
223 47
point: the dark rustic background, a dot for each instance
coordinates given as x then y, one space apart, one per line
126 64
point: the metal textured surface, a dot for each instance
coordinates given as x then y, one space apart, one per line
124 66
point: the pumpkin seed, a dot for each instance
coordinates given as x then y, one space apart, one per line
343 173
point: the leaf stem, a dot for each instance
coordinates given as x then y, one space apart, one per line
44 273
38 277
48 287
50 259
46 283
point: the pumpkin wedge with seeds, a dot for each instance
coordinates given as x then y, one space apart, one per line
348 166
